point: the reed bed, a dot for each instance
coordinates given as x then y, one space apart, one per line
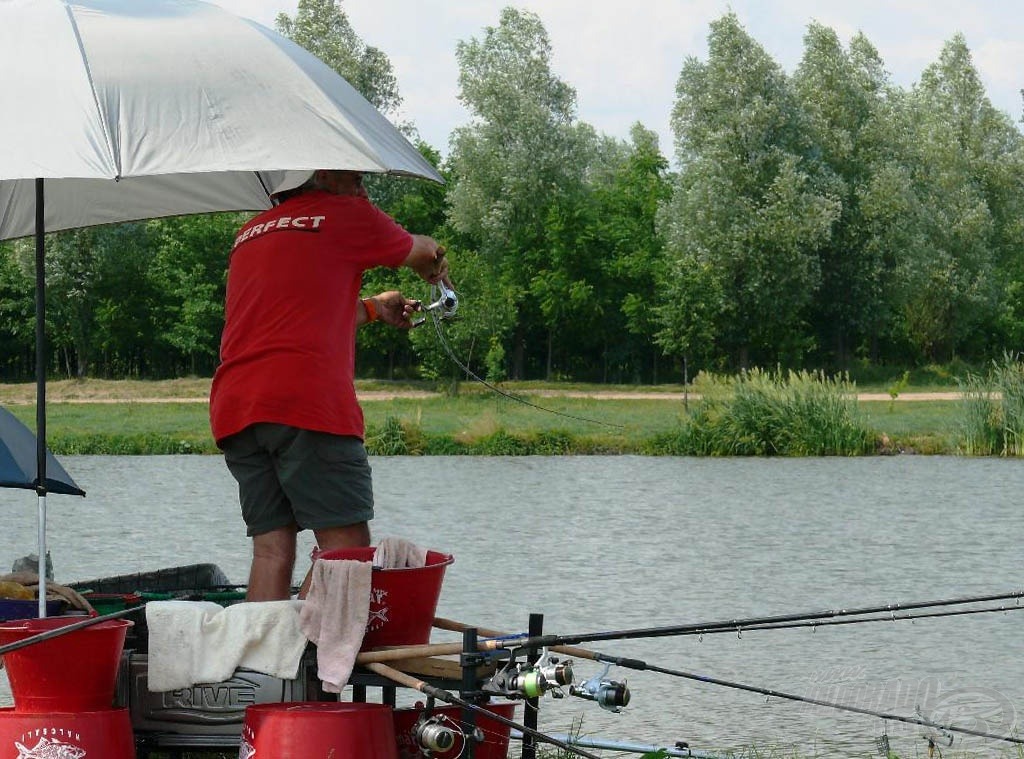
761 413
992 411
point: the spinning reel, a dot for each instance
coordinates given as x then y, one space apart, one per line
446 303
548 674
610 695
437 734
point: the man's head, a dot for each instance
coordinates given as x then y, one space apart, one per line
338 182
334 181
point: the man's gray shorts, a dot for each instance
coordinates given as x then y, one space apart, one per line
285 475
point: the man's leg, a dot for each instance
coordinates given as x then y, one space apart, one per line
273 560
250 456
332 538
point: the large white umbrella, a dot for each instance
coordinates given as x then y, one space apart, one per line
115 110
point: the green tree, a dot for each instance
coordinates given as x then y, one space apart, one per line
518 171
323 28
17 314
745 210
629 253
98 300
845 97
475 338
188 273
972 206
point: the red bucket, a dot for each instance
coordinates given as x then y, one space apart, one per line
106 733
495 743
402 601
75 672
317 729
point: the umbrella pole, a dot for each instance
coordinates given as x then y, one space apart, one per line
41 388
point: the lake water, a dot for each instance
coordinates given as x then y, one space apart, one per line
611 543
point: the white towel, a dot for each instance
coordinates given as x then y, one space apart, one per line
334 617
202 642
399 553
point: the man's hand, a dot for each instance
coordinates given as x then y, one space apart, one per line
395 309
427 259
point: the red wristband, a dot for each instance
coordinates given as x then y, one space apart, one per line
371 309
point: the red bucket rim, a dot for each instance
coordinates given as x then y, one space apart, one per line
52 623
365 554
330 707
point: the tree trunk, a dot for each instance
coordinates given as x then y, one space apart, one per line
551 342
518 355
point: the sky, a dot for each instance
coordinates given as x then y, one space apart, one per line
623 58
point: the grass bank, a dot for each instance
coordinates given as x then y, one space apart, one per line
754 414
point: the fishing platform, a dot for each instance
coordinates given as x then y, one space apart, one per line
89 691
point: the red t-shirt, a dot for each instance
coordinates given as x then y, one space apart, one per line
288 348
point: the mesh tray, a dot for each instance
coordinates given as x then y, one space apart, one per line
192 577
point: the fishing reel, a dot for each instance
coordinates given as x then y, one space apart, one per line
547 675
435 734
610 695
446 303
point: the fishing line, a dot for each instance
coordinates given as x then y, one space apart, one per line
451 354
637 664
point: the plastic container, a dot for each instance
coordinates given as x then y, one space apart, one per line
402 601
106 733
106 603
76 672
191 577
314 730
225 597
18 609
495 743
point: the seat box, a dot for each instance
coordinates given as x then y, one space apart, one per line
205 710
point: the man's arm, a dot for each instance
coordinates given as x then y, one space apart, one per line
427 259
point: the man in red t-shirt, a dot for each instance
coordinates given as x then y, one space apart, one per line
283 403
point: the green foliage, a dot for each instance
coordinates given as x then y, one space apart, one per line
323 28
992 410
760 413
896 388
824 219
389 440
744 214
486 314
128 444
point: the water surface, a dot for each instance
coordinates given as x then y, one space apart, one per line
610 543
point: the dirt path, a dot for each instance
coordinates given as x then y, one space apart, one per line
197 392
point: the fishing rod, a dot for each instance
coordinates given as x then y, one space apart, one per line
444 307
889 618
498 641
631 747
740 624
66 629
640 665
450 698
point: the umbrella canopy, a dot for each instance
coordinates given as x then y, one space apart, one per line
18 460
118 110
134 109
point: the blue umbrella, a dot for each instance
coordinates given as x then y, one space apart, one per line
18 460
